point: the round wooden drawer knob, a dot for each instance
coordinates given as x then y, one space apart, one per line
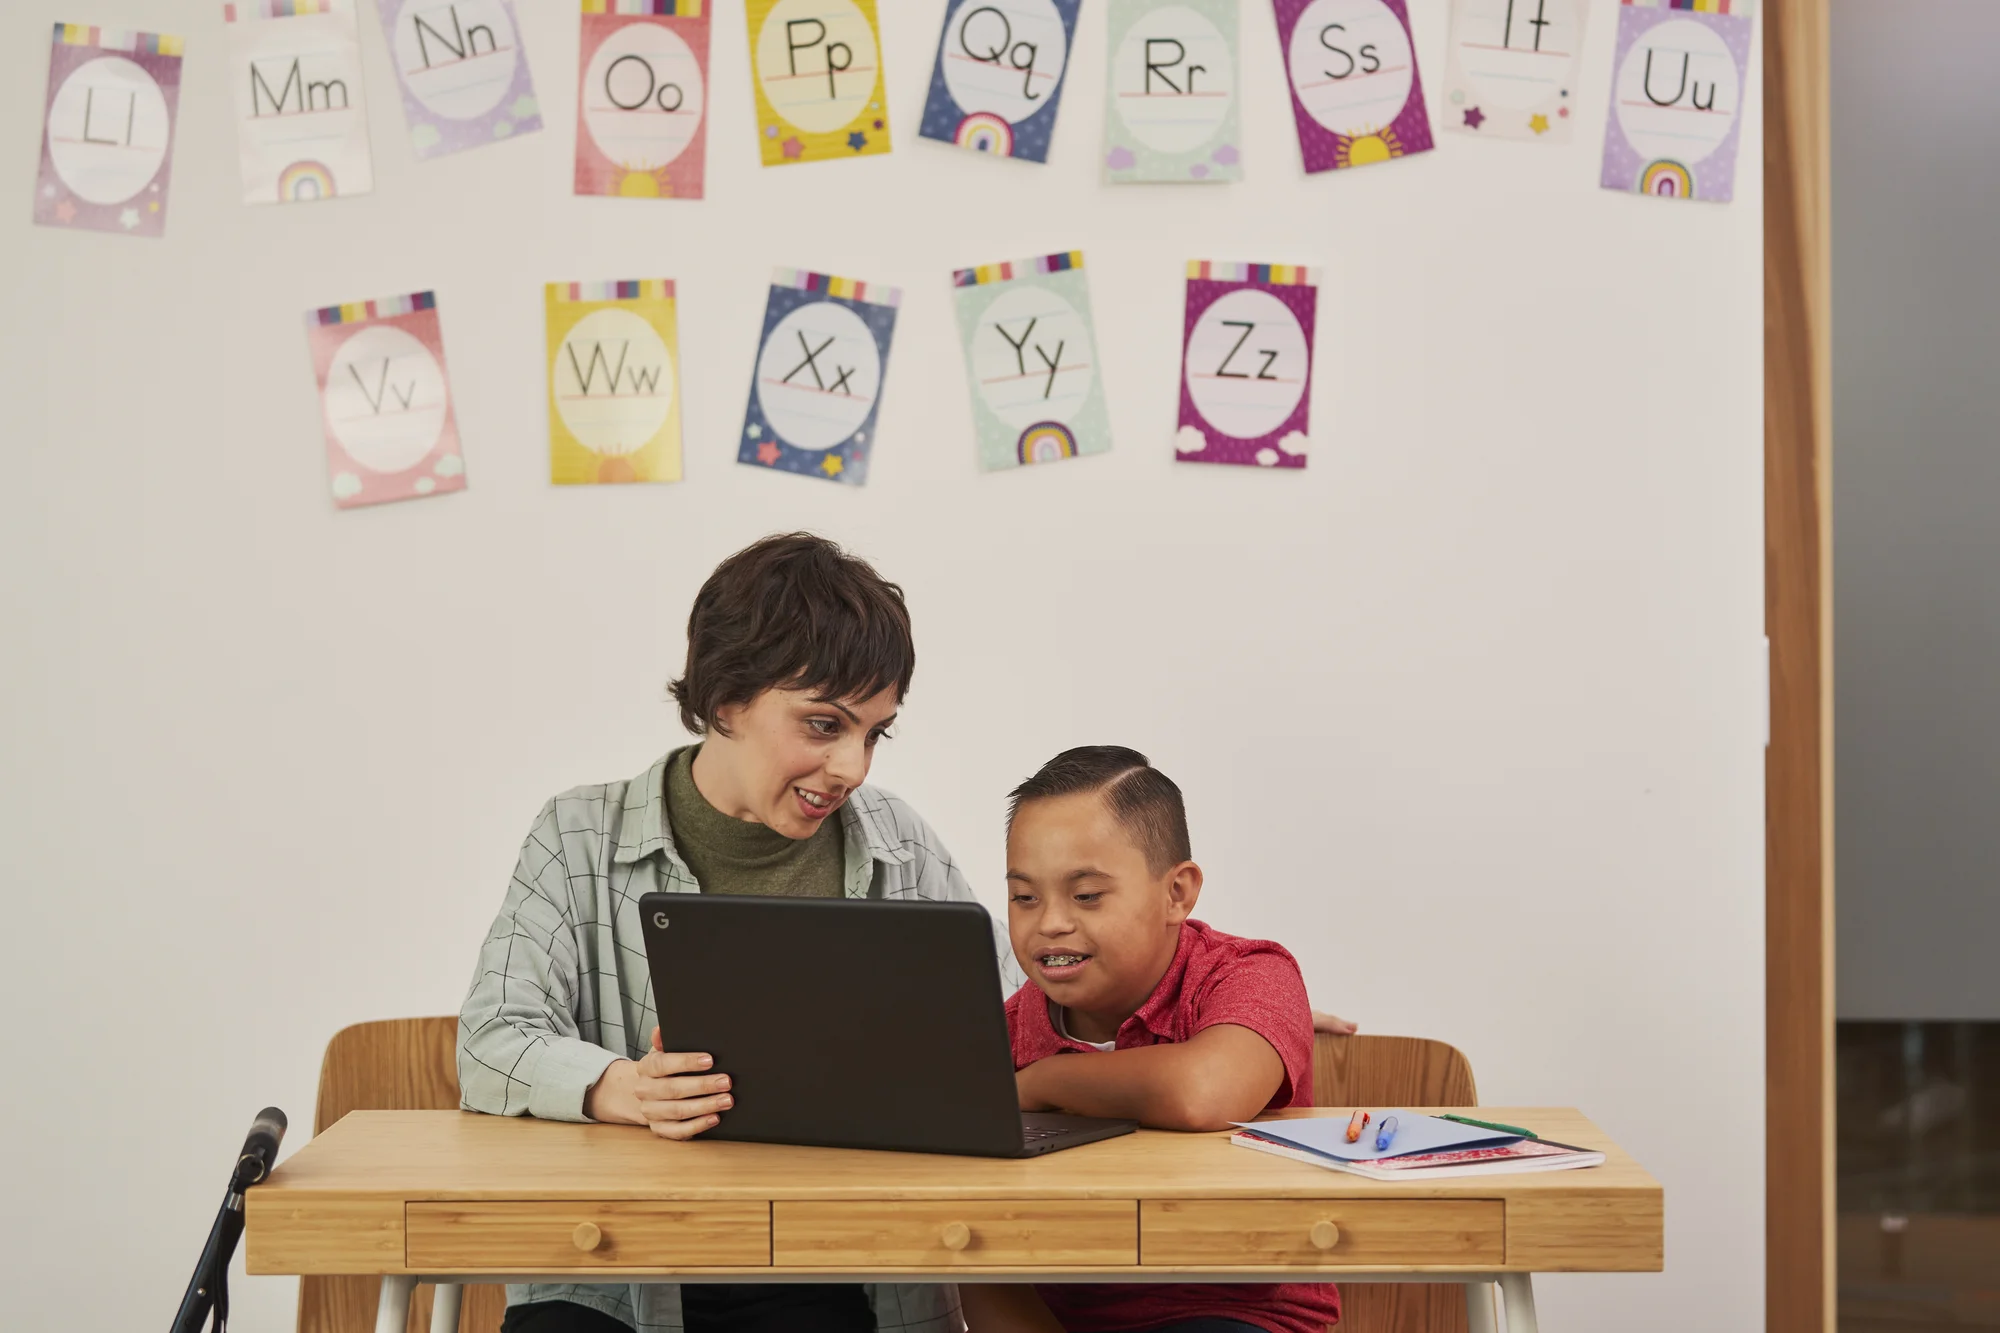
956 1236
586 1236
1324 1235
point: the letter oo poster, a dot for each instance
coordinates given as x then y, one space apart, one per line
642 98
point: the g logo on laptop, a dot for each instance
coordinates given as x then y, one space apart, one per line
660 920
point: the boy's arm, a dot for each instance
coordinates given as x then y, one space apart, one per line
1223 1074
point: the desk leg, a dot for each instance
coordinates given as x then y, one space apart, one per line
1479 1308
1517 1294
444 1307
393 1314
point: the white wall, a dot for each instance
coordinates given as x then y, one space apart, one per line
1467 713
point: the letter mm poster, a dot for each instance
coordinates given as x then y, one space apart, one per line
998 78
1173 110
301 112
108 130
642 98
391 433
818 383
463 73
1356 94
1246 364
1032 357
614 382
1677 90
816 66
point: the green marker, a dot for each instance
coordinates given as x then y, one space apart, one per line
1488 1124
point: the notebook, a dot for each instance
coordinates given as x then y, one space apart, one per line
1489 1159
1327 1135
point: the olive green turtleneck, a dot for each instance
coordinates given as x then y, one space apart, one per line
730 855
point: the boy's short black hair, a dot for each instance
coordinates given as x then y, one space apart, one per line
796 612
1140 797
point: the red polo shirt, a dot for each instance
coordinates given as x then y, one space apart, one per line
1214 979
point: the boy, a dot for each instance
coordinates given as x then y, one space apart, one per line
1133 1009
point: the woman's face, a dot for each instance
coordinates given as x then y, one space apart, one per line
788 760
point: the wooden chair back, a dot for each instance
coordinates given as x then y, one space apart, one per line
402 1064
1367 1070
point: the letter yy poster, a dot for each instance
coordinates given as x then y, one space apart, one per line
1031 354
1677 98
818 382
614 382
1246 364
391 433
816 66
642 98
108 130
463 73
1512 66
1172 109
998 78
1356 96
301 109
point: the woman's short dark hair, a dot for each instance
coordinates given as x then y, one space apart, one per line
794 612
1140 797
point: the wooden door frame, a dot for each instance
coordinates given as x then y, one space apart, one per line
1798 772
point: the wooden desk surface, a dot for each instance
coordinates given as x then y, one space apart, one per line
364 1196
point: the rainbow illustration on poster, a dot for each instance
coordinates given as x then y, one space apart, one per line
1668 180
984 132
1046 442
303 181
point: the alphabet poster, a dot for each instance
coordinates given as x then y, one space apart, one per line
1246 364
1511 73
999 75
1174 108
390 432
301 117
108 130
463 73
818 381
614 382
642 98
1032 359
1356 95
817 69
1677 98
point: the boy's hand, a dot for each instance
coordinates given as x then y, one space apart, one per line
670 1092
1333 1025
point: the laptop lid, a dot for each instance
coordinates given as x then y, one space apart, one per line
841 1023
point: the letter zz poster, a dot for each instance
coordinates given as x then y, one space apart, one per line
999 75
817 69
301 117
463 73
614 386
1356 95
642 98
1246 364
1173 111
1032 359
818 382
108 130
1677 98
390 429
1512 68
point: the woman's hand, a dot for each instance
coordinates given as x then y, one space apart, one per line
669 1092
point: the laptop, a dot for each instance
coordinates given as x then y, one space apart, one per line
849 1023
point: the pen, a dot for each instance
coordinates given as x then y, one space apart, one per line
1356 1125
1492 1124
1387 1132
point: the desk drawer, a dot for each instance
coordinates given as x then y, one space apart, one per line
1317 1232
539 1237
1066 1233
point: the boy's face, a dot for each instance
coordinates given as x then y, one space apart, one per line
1091 923
789 760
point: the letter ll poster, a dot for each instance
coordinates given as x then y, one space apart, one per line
1356 95
642 98
818 383
1246 364
1173 110
614 382
816 66
1677 91
1511 72
384 400
301 112
998 78
108 130
463 72
1032 358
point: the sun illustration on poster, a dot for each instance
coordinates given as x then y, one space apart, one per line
1367 149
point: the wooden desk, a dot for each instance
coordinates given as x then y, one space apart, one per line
457 1198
